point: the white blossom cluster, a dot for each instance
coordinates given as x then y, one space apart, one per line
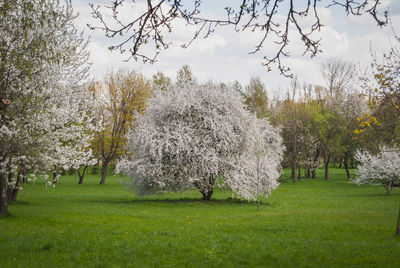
44 102
382 168
202 136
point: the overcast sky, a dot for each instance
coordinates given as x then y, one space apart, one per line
224 57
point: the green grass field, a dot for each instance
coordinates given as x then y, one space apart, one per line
311 223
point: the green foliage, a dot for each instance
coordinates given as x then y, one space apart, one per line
312 223
383 88
126 94
330 128
256 97
185 76
161 81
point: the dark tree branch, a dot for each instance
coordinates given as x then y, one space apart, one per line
151 26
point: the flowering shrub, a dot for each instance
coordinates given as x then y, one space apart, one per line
379 169
202 136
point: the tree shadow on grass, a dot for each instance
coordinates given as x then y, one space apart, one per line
184 200
19 203
383 194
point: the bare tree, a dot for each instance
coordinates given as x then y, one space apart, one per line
273 18
339 76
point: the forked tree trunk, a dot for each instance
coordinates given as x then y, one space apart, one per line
104 171
327 166
313 175
81 175
14 193
208 192
3 195
207 195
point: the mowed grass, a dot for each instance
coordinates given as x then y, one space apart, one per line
311 223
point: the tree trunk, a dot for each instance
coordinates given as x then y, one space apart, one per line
327 166
54 177
16 188
207 195
104 171
3 195
308 173
346 165
398 224
340 164
313 175
10 186
294 172
299 175
294 153
81 175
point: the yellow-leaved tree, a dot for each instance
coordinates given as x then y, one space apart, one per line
119 98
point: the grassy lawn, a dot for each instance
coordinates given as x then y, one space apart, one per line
310 223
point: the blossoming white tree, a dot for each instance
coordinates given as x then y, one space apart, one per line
43 75
382 168
200 136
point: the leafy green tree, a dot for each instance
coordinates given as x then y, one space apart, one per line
295 120
291 118
383 90
161 81
185 77
256 97
122 96
342 104
330 129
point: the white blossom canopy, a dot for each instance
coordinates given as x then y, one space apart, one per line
200 136
44 103
379 169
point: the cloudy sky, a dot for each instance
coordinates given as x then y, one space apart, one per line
224 57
